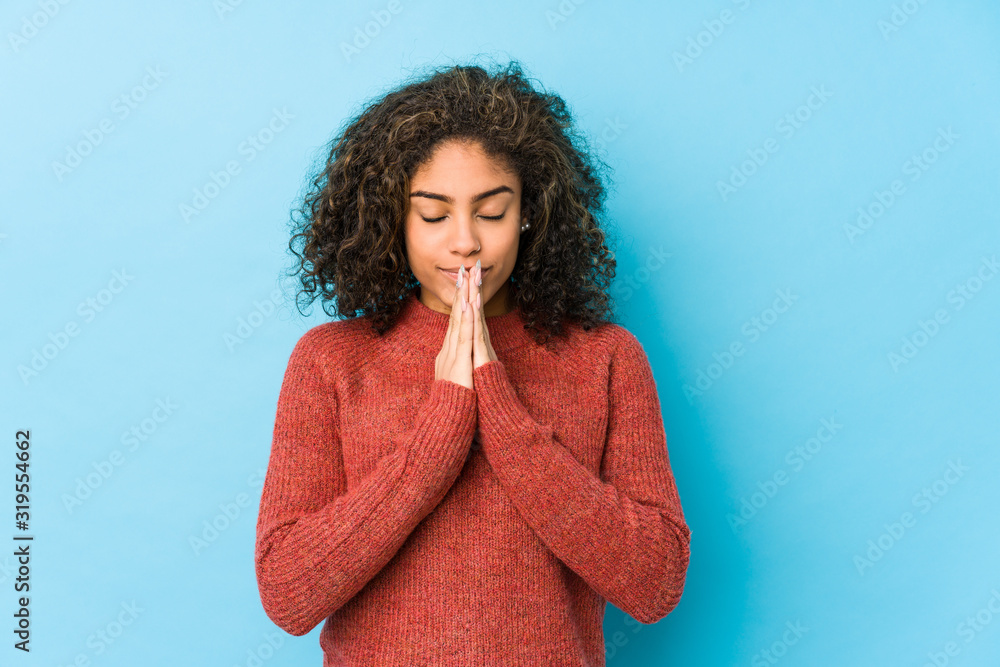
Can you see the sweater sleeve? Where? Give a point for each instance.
(318, 543)
(624, 533)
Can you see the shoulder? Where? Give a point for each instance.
(333, 344)
(607, 339)
(617, 359)
(600, 347)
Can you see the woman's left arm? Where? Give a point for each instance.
(623, 533)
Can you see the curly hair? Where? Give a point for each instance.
(348, 231)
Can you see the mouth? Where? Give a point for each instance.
(453, 275)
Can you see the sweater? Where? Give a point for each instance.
(432, 524)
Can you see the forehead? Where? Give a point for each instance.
(462, 166)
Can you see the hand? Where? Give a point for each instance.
(454, 361)
(482, 350)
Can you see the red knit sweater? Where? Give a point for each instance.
(431, 524)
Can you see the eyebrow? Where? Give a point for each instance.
(446, 198)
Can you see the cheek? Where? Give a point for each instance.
(511, 255)
(418, 253)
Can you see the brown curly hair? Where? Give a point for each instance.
(348, 232)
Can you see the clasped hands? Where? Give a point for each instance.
(466, 343)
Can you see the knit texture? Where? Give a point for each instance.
(432, 524)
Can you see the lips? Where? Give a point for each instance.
(453, 275)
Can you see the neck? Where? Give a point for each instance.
(498, 304)
(427, 327)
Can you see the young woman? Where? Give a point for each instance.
(472, 462)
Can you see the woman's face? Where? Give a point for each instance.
(463, 206)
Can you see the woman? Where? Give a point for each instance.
(472, 463)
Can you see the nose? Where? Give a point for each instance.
(462, 237)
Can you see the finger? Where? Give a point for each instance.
(484, 330)
(456, 312)
(486, 337)
(477, 283)
(479, 349)
(476, 330)
(453, 318)
(467, 319)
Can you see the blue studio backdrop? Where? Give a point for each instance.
(804, 207)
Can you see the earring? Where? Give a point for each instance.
(526, 225)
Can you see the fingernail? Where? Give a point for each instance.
(479, 274)
(461, 274)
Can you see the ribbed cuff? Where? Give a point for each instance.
(444, 428)
(500, 410)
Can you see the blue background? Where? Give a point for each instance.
(679, 99)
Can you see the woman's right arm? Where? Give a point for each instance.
(318, 543)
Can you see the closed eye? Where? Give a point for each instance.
(484, 217)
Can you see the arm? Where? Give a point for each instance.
(625, 533)
(318, 543)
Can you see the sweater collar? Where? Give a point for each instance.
(427, 327)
